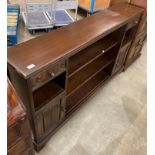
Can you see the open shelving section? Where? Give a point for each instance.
(90, 53)
(87, 72)
(90, 67)
(85, 90)
(50, 91)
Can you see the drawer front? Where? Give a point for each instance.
(17, 131)
(136, 47)
(13, 134)
(20, 147)
(47, 74)
(49, 117)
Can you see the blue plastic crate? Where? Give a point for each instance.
(13, 12)
(13, 8)
(61, 17)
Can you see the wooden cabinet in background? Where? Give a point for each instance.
(19, 139)
(141, 34)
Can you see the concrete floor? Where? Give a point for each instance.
(112, 122)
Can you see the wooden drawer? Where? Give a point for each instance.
(47, 74)
(134, 22)
(16, 131)
(13, 134)
(50, 116)
(20, 147)
(141, 39)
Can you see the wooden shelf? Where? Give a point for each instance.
(46, 93)
(78, 79)
(90, 53)
(85, 90)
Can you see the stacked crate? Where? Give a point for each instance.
(13, 12)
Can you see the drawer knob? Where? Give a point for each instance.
(52, 74)
(103, 51)
(136, 22)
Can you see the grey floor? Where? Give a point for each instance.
(112, 122)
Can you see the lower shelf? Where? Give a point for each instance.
(85, 90)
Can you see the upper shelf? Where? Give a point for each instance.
(90, 53)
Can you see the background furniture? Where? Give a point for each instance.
(13, 12)
(140, 37)
(91, 6)
(18, 130)
(54, 75)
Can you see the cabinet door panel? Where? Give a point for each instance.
(39, 126)
(136, 47)
(48, 119)
(121, 58)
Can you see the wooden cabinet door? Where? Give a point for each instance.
(121, 58)
(136, 48)
(49, 118)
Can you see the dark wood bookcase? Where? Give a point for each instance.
(69, 64)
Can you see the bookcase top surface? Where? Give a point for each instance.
(35, 54)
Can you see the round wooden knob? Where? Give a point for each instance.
(51, 73)
(136, 22)
(103, 51)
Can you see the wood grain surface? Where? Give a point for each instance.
(65, 41)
